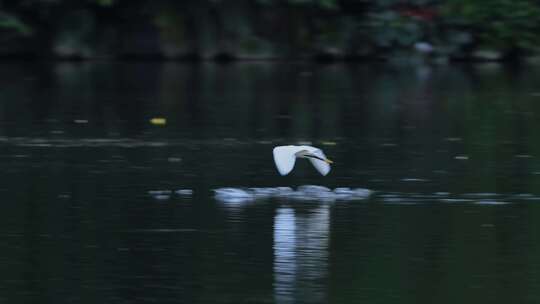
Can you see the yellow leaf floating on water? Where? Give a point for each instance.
(158, 121)
(328, 143)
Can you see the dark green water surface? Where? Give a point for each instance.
(452, 154)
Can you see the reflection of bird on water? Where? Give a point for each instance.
(285, 157)
(301, 255)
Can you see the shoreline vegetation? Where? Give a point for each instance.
(271, 30)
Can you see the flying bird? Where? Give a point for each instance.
(285, 157)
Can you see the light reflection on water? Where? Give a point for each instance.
(285, 268)
(301, 255)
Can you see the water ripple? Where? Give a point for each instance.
(80, 142)
(491, 202)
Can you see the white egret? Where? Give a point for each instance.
(285, 157)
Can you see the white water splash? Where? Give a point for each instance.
(303, 193)
(184, 192)
(166, 194)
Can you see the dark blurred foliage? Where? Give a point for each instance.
(263, 29)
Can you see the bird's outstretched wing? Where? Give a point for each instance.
(321, 166)
(284, 157)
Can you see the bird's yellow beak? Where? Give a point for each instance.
(328, 161)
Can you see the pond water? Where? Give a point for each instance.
(99, 205)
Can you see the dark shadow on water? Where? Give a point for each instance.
(450, 151)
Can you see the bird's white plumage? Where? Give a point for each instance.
(285, 158)
(321, 166)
